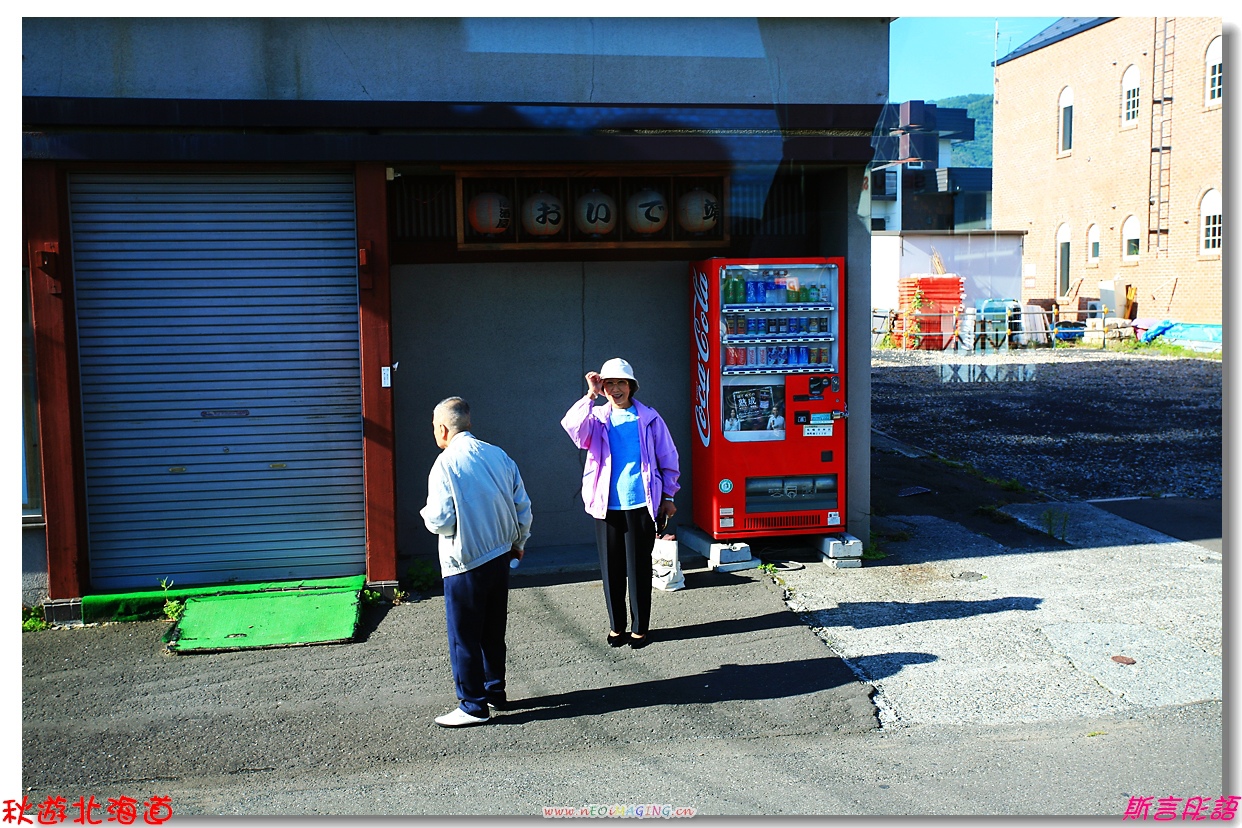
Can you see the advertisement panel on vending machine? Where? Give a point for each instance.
(768, 397)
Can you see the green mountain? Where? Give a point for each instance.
(976, 153)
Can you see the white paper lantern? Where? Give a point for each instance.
(698, 211)
(543, 215)
(489, 213)
(596, 213)
(646, 212)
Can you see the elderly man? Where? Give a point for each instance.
(477, 504)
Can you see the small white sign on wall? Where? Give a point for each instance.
(1028, 269)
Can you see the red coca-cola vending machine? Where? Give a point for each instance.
(768, 443)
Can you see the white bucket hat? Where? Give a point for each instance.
(617, 368)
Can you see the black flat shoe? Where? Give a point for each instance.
(637, 643)
(618, 640)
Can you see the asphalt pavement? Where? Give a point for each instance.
(1196, 520)
(956, 675)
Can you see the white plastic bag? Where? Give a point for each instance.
(666, 571)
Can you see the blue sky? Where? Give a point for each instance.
(938, 57)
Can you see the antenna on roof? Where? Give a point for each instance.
(995, 56)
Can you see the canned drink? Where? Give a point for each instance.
(782, 325)
(750, 292)
(823, 324)
(752, 356)
(750, 327)
(794, 325)
(761, 356)
(805, 323)
(804, 355)
(771, 323)
(814, 324)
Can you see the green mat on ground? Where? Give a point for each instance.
(148, 605)
(266, 619)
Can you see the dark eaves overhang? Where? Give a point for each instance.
(1065, 27)
(223, 131)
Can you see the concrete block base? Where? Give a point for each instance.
(753, 563)
(386, 588)
(727, 557)
(844, 563)
(63, 610)
(836, 547)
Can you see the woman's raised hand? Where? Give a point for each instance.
(595, 384)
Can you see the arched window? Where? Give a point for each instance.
(1063, 259)
(1210, 224)
(1093, 244)
(1065, 123)
(1130, 97)
(1215, 73)
(1130, 239)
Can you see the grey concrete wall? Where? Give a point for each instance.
(858, 360)
(34, 565)
(552, 60)
(516, 340)
(846, 226)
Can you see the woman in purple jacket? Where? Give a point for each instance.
(628, 484)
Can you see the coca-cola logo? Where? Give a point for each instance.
(702, 381)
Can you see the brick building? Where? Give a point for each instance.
(1116, 177)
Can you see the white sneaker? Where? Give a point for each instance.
(459, 718)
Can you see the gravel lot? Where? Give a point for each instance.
(1072, 423)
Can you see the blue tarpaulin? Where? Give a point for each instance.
(1198, 337)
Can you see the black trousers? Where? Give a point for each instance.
(625, 540)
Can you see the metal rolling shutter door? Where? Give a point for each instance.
(219, 351)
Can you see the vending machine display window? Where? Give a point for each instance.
(753, 409)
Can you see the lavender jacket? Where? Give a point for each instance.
(588, 426)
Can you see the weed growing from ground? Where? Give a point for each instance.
(33, 619)
(1055, 523)
(173, 608)
(423, 576)
(993, 512)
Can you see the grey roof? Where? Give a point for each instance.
(1063, 28)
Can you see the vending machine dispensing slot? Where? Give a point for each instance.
(768, 396)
